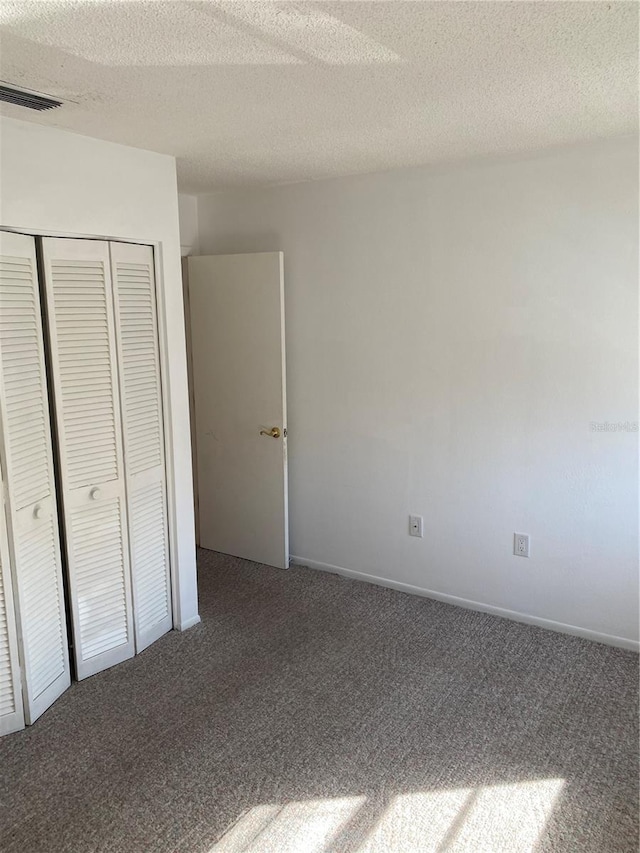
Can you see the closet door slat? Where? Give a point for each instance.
(33, 538)
(141, 397)
(84, 366)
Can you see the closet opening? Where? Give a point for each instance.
(85, 573)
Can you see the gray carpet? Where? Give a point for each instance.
(313, 714)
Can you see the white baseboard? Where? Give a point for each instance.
(188, 623)
(515, 615)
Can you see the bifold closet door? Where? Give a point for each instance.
(85, 377)
(30, 495)
(11, 712)
(141, 396)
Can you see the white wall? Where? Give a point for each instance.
(451, 336)
(188, 214)
(64, 184)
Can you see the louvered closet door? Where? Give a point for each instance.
(141, 396)
(11, 713)
(33, 536)
(83, 358)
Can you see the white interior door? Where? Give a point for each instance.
(141, 398)
(25, 447)
(11, 708)
(238, 361)
(85, 378)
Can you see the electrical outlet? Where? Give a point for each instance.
(521, 544)
(415, 525)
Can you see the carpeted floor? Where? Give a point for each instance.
(313, 714)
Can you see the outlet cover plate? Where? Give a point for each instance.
(521, 544)
(416, 526)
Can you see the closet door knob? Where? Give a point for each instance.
(37, 511)
(94, 494)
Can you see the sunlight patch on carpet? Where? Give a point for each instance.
(292, 828)
(457, 820)
(466, 820)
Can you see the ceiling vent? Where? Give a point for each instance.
(30, 100)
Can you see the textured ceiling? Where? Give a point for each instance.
(259, 92)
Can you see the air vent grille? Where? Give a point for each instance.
(30, 100)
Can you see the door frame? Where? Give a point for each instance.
(163, 343)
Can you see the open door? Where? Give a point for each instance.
(238, 361)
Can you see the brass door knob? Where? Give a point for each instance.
(274, 432)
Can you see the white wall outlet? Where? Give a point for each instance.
(415, 525)
(521, 544)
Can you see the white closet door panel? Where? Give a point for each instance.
(141, 394)
(96, 539)
(41, 608)
(11, 709)
(84, 367)
(26, 448)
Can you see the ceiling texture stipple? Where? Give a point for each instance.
(254, 93)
